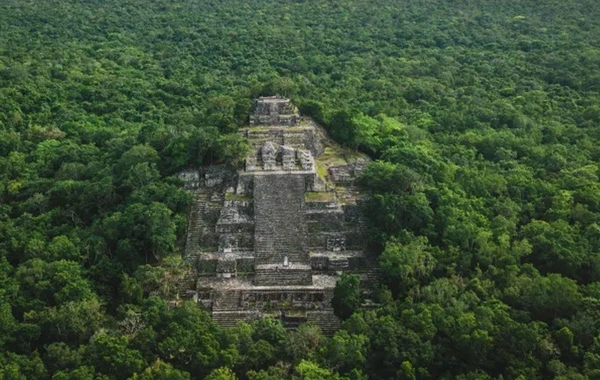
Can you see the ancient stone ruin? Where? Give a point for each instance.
(271, 239)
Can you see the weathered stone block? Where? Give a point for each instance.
(274, 111)
(245, 266)
(319, 263)
(275, 275)
(207, 267)
(336, 243)
(226, 267)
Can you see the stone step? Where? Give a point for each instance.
(283, 276)
(205, 204)
(292, 323)
(326, 320)
(231, 318)
(227, 300)
(279, 224)
(373, 275)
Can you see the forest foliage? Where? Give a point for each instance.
(483, 120)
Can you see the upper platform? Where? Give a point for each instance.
(274, 111)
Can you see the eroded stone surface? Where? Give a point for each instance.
(271, 239)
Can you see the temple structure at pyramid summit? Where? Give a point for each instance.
(271, 238)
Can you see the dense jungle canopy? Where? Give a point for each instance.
(483, 119)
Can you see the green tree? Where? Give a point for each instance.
(270, 330)
(189, 338)
(161, 371)
(346, 295)
(406, 265)
(305, 342)
(347, 351)
(111, 356)
(222, 373)
(81, 373)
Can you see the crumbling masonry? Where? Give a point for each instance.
(271, 239)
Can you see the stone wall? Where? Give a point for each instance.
(245, 266)
(279, 275)
(272, 105)
(274, 111)
(277, 300)
(201, 220)
(207, 267)
(303, 137)
(280, 120)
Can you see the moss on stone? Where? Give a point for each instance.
(236, 197)
(319, 196)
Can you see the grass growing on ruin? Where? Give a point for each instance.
(337, 156)
(321, 169)
(330, 157)
(236, 197)
(333, 156)
(319, 197)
